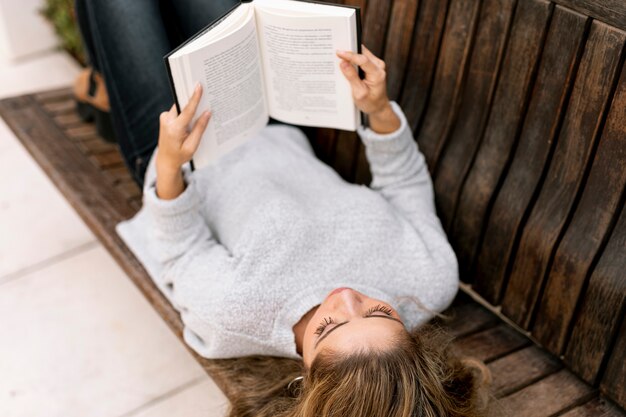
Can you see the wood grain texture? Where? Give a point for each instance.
(490, 344)
(363, 174)
(345, 158)
(398, 44)
(323, 143)
(449, 76)
(376, 24)
(598, 318)
(483, 69)
(597, 407)
(612, 12)
(614, 381)
(468, 318)
(549, 396)
(561, 53)
(422, 59)
(597, 211)
(584, 116)
(522, 54)
(521, 369)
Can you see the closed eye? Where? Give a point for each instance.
(346, 322)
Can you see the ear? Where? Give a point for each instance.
(479, 369)
(483, 381)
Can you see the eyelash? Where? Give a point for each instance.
(372, 310)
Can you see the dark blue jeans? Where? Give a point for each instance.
(126, 41)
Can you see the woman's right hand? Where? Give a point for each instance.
(177, 143)
(370, 94)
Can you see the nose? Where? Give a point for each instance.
(349, 302)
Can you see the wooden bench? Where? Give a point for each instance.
(520, 109)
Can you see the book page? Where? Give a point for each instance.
(232, 79)
(304, 83)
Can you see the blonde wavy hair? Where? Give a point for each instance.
(418, 376)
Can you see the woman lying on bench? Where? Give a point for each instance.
(269, 252)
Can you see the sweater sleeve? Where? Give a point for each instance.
(399, 171)
(400, 175)
(183, 245)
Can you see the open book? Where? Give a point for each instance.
(268, 58)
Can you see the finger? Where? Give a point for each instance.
(193, 139)
(359, 89)
(361, 60)
(190, 109)
(379, 62)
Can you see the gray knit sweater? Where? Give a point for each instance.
(262, 236)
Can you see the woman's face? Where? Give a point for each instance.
(348, 320)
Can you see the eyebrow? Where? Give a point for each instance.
(346, 322)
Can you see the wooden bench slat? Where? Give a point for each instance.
(605, 298)
(594, 408)
(129, 189)
(549, 216)
(82, 132)
(60, 107)
(588, 231)
(527, 34)
(548, 397)
(449, 75)
(612, 12)
(558, 66)
(323, 143)
(422, 59)
(491, 344)
(375, 25)
(107, 159)
(344, 159)
(614, 381)
(398, 45)
(51, 96)
(68, 120)
(521, 369)
(467, 318)
(483, 69)
(96, 146)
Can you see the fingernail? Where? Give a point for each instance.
(341, 52)
(198, 86)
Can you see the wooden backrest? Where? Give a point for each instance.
(520, 109)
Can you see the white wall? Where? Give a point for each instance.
(23, 31)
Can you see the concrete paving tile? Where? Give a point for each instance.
(36, 222)
(46, 71)
(78, 339)
(203, 399)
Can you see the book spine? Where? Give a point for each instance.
(198, 34)
(168, 69)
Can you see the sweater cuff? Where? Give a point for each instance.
(172, 216)
(387, 142)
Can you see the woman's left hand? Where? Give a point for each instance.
(370, 93)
